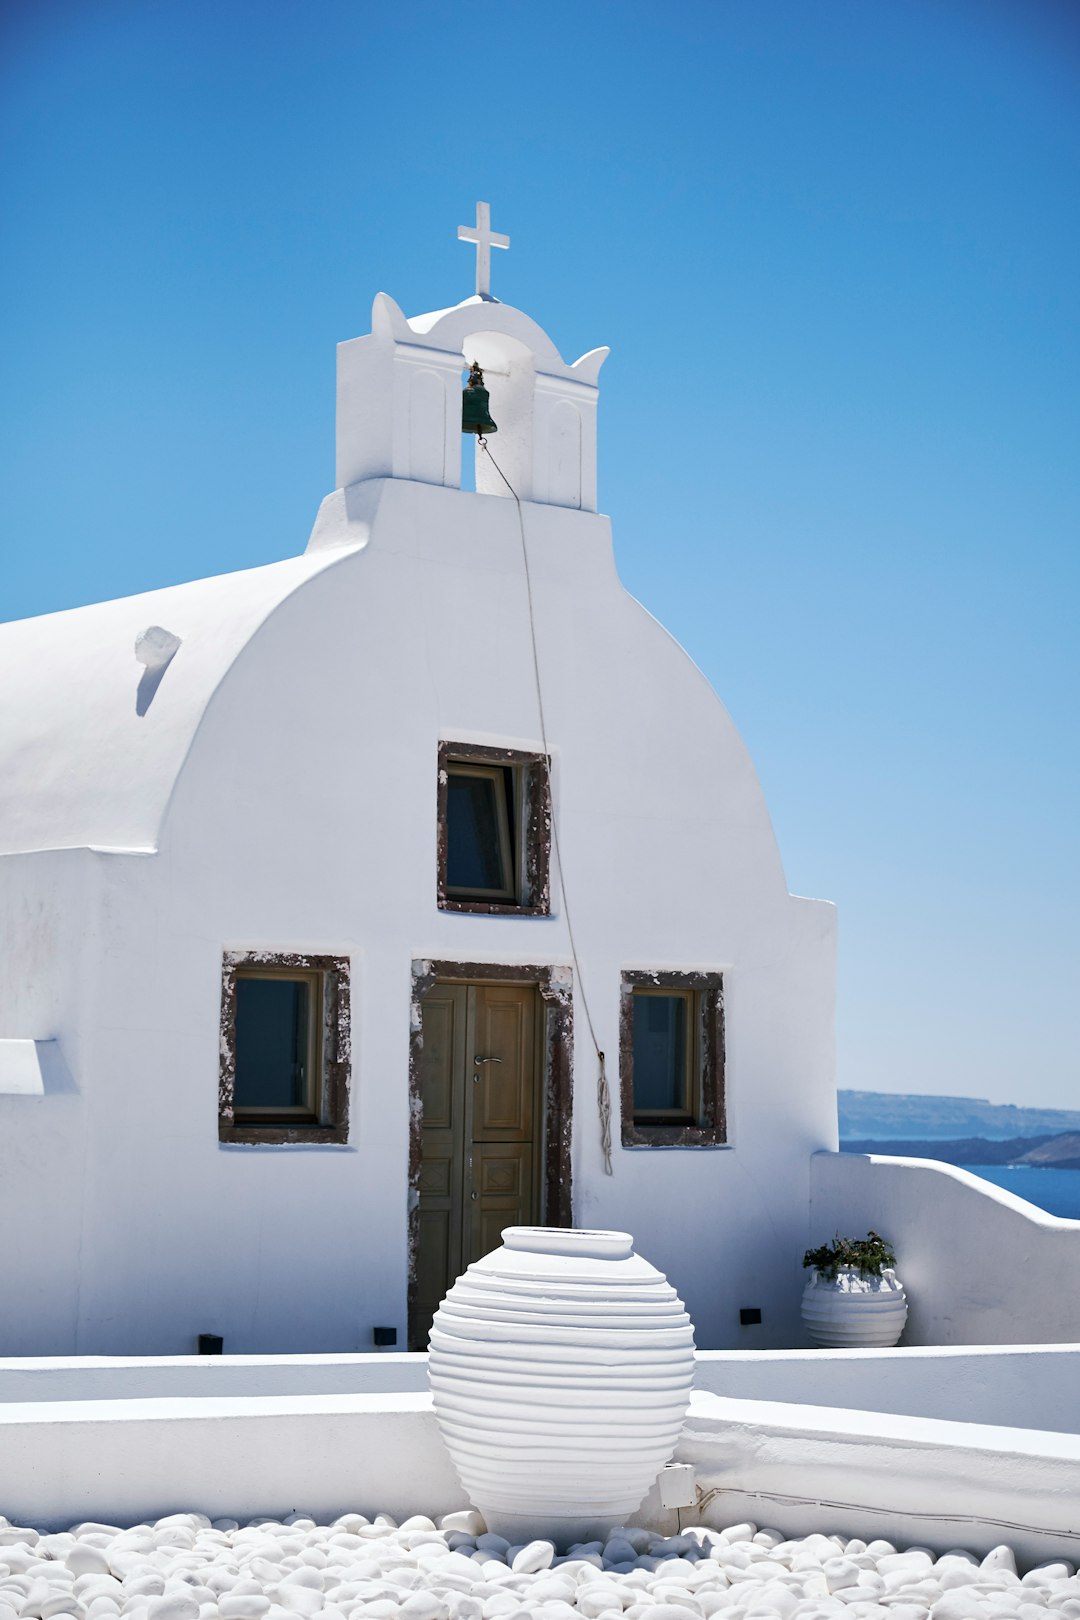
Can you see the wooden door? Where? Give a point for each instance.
(479, 1165)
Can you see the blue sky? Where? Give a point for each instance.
(835, 248)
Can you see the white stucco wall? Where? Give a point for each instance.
(257, 1439)
(52, 1379)
(125, 1461)
(280, 789)
(1015, 1386)
(303, 819)
(980, 1266)
(914, 1481)
(1019, 1386)
(46, 993)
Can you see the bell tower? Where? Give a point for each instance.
(399, 397)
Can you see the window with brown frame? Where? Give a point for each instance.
(284, 1048)
(671, 1060)
(494, 830)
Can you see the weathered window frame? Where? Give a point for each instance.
(329, 1121)
(708, 1128)
(530, 834)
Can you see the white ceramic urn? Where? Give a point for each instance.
(561, 1367)
(854, 1311)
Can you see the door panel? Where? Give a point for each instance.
(505, 1032)
(442, 1149)
(441, 1018)
(481, 1130)
(503, 1184)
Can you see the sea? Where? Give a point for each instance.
(1056, 1191)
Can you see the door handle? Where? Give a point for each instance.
(479, 1060)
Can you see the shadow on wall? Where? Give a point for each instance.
(149, 681)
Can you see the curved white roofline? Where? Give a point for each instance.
(94, 734)
(91, 739)
(448, 329)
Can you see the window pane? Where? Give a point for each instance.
(271, 1043)
(474, 853)
(660, 1051)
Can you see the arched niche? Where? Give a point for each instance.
(427, 427)
(509, 376)
(564, 454)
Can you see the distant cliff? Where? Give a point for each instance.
(880, 1117)
(1060, 1153)
(1046, 1152)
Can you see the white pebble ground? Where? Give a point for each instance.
(186, 1567)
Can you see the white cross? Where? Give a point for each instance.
(485, 239)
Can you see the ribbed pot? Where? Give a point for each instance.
(854, 1311)
(561, 1367)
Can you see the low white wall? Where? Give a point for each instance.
(123, 1461)
(913, 1481)
(1023, 1386)
(980, 1266)
(117, 1378)
(798, 1468)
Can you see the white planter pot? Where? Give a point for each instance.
(854, 1311)
(561, 1367)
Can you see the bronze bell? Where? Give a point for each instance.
(475, 405)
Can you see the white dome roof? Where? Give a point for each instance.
(92, 735)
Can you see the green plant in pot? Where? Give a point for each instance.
(854, 1298)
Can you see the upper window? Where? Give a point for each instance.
(284, 1048)
(671, 1060)
(479, 842)
(494, 809)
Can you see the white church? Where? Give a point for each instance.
(325, 883)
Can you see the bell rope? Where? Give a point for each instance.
(603, 1091)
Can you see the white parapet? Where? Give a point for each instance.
(263, 1435)
(1023, 1386)
(911, 1481)
(980, 1265)
(122, 1461)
